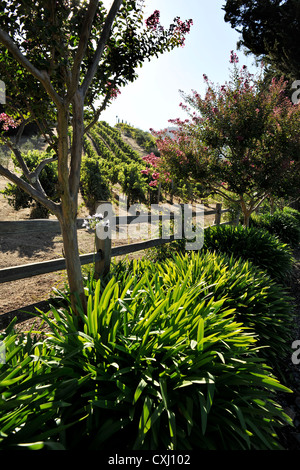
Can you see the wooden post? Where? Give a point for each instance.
(218, 214)
(103, 241)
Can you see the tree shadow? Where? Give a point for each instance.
(29, 245)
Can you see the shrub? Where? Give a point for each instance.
(256, 245)
(155, 366)
(292, 212)
(133, 183)
(283, 224)
(260, 303)
(93, 185)
(18, 199)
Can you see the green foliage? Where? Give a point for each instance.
(160, 363)
(241, 138)
(133, 184)
(260, 302)
(256, 245)
(284, 224)
(122, 164)
(49, 38)
(18, 199)
(93, 184)
(268, 29)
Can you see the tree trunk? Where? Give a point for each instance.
(73, 265)
(246, 212)
(68, 186)
(246, 219)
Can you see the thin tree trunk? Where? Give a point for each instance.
(68, 217)
(246, 219)
(246, 212)
(73, 265)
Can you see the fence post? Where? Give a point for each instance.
(103, 243)
(218, 214)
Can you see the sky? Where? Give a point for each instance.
(154, 98)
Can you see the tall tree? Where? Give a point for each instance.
(62, 61)
(269, 29)
(242, 141)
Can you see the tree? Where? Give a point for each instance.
(242, 141)
(63, 61)
(269, 29)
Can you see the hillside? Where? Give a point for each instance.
(21, 249)
(116, 165)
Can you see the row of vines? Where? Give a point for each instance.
(108, 164)
(108, 161)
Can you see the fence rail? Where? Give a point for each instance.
(104, 251)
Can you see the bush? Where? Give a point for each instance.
(160, 363)
(256, 245)
(93, 185)
(293, 213)
(260, 303)
(283, 224)
(19, 199)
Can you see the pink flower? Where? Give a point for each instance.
(233, 58)
(153, 20)
(8, 122)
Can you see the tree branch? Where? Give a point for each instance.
(84, 38)
(260, 201)
(19, 157)
(41, 76)
(34, 193)
(97, 114)
(101, 44)
(223, 194)
(32, 177)
(35, 174)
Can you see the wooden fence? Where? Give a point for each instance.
(104, 251)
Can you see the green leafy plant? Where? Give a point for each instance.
(256, 245)
(284, 224)
(93, 185)
(260, 303)
(160, 363)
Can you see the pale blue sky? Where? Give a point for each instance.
(154, 97)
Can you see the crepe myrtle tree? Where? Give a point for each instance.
(241, 141)
(63, 62)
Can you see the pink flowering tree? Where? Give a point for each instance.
(241, 141)
(62, 64)
(157, 176)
